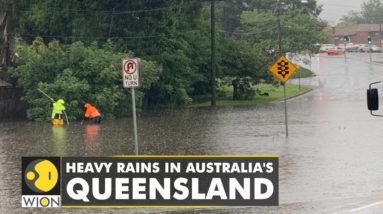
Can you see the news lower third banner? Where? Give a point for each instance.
(150, 181)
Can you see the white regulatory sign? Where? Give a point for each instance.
(131, 73)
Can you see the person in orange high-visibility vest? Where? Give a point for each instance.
(92, 115)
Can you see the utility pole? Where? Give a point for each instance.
(281, 54)
(279, 29)
(111, 23)
(380, 34)
(213, 63)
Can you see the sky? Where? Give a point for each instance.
(333, 10)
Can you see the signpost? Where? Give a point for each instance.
(131, 79)
(369, 41)
(345, 39)
(299, 77)
(283, 69)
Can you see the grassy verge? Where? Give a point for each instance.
(304, 73)
(275, 93)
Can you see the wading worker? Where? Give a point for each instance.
(92, 115)
(57, 112)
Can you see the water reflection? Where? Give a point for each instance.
(59, 140)
(92, 145)
(333, 139)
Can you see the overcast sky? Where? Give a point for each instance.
(333, 10)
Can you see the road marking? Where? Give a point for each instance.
(367, 206)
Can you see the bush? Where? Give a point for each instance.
(77, 74)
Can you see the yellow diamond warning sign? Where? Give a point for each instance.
(283, 69)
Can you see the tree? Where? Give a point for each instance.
(300, 32)
(231, 13)
(372, 12)
(232, 9)
(352, 17)
(7, 22)
(241, 65)
(175, 34)
(78, 74)
(157, 30)
(310, 7)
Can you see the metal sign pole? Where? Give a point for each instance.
(299, 80)
(131, 79)
(369, 54)
(283, 69)
(311, 63)
(344, 46)
(286, 124)
(134, 122)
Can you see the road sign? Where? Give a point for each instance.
(283, 69)
(131, 73)
(131, 79)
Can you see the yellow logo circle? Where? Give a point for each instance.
(41, 175)
(44, 202)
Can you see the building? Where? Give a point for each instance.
(358, 34)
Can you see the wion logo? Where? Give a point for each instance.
(40, 182)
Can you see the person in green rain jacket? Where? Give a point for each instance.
(58, 108)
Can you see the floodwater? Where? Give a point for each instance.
(332, 161)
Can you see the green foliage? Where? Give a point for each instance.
(274, 93)
(372, 12)
(232, 10)
(77, 74)
(310, 7)
(345, 24)
(173, 36)
(303, 73)
(241, 65)
(299, 31)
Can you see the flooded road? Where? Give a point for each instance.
(332, 161)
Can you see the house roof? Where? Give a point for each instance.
(357, 28)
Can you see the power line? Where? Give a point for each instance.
(115, 12)
(148, 10)
(106, 37)
(237, 33)
(340, 5)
